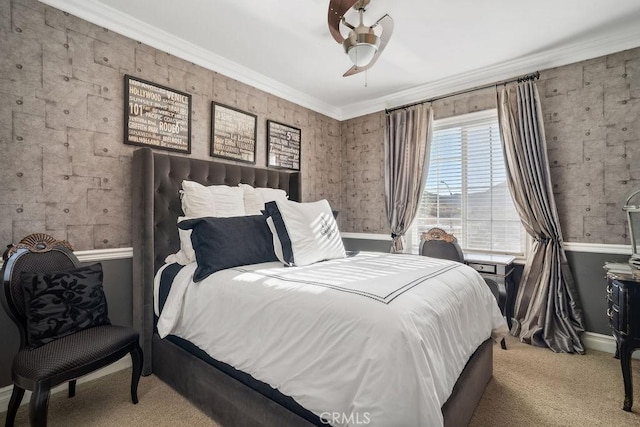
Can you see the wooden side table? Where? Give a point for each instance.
(498, 268)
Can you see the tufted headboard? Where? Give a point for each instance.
(156, 180)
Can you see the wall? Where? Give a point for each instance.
(592, 125)
(64, 167)
(65, 170)
(591, 111)
(363, 161)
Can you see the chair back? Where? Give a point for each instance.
(437, 243)
(36, 253)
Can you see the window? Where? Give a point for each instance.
(466, 191)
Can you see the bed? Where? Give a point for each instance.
(230, 396)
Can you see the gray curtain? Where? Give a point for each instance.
(407, 139)
(547, 310)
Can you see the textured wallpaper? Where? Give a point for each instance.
(592, 125)
(64, 168)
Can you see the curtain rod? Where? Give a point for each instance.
(524, 78)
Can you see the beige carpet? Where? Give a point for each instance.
(530, 387)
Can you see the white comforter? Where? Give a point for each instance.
(375, 339)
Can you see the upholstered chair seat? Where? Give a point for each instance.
(55, 359)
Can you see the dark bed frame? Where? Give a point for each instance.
(156, 180)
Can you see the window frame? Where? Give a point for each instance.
(463, 120)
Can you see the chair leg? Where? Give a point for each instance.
(39, 405)
(136, 359)
(72, 388)
(14, 404)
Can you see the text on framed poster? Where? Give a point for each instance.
(233, 133)
(156, 116)
(283, 148)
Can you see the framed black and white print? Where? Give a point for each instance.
(283, 146)
(156, 116)
(233, 133)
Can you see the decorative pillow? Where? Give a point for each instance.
(308, 232)
(271, 194)
(185, 255)
(215, 200)
(221, 243)
(61, 303)
(253, 203)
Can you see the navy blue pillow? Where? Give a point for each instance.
(271, 210)
(61, 303)
(221, 243)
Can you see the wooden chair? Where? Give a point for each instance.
(41, 367)
(437, 243)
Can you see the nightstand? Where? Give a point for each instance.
(623, 298)
(498, 268)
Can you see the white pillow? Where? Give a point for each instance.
(253, 204)
(271, 194)
(186, 255)
(308, 232)
(216, 200)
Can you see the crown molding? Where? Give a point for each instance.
(622, 38)
(108, 17)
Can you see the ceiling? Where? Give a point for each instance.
(438, 46)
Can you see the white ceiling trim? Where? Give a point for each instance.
(114, 20)
(104, 16)
(621, 40)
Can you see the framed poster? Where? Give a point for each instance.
(156, 116)
(233, 133)
(283, 146)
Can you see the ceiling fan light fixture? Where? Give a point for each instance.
(361, 47)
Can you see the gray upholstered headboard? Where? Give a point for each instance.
(156, 180)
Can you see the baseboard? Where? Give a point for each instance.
(124, 363)
(605, 343)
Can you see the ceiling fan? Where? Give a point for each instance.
(362, 45)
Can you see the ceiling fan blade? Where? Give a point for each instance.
(337, 9)
(387, 29)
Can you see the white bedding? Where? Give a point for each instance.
(374, 339)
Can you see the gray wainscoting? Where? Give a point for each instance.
(117, 288)
(353, 244)
(589, 275)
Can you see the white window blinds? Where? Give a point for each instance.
(466, 191)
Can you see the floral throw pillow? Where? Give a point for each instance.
(63, 302)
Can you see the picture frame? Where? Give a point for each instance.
(156, 116)
(283, 146)
(233, 133)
